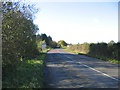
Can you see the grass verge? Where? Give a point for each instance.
(97, 57)
(28, 75)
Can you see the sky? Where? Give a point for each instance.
(78, 22)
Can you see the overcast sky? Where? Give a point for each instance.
(78, 22)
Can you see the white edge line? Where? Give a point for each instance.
(98, 71)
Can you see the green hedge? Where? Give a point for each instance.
(110, 50)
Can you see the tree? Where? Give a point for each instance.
(62, 43)
(111, 43)
(47, 39)
(18, 35)
(53, 44)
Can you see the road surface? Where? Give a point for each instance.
(67, 70)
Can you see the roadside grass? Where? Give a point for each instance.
(97, 57)
(28, 75)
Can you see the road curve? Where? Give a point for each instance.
(66, 70)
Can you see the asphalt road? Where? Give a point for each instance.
(67, 70)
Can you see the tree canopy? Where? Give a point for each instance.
(62, 43)
(18, 34)
(47, 39)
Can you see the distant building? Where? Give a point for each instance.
(43, 46)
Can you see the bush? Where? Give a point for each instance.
(18, 36)
(102, 49)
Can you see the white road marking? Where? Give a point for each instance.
(100, 72)
(97, 70)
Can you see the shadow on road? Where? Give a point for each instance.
(63, 70)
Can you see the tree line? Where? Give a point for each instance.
(43, 38)
(19, 39)
(107, 50)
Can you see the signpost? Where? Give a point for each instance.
(43, 46)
